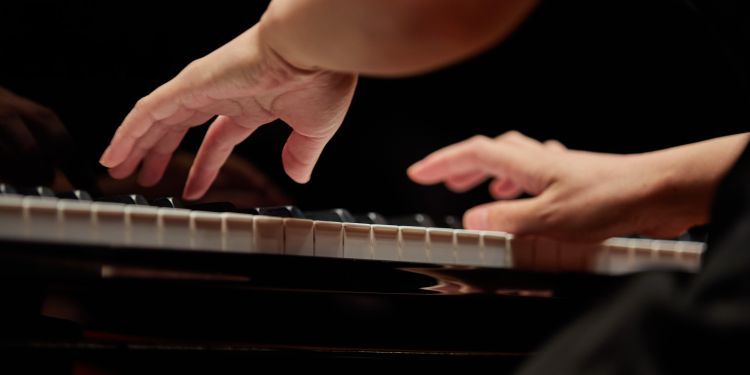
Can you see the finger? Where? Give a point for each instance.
(162, 141)
(127, 167)
(157, 160)
(223, 134)
(465, 182)
(504, 188)
(168, 104)
(554, 145)
(526, 166)
(140, 149)
(158, 137)
(521, 216)
(300, 154)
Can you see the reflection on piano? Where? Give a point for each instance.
(129, 278)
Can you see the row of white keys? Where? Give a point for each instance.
(12, 224)
(623, 255)
(614, 256)
(118, 224)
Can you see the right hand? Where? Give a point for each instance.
(583, 196)
(246, 84)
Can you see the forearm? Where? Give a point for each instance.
(692, 173)
(386, 37)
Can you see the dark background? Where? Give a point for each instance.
(614, 76)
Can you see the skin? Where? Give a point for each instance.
(583, 196)
(300, 64)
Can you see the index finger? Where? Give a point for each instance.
(160, 105)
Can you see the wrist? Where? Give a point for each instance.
(685, 178)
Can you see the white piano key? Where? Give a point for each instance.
(618, 258)
(414, 247)
(329, 239)
(268, 233)
(546, 254)
(299, 237)
(664, 251)
(385, 244)
(580, 257)
(206, 230)
(237, 232)
(522, 249)
(357, 241)
(497, 249)
(142, 225)
(689, 254)
(469, 248)
(174, 228)
(11, 217)
(442, 245)
(109, 223)
(41, 222)
(76, 220)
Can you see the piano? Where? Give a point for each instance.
(125, 284)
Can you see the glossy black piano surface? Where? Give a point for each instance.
(93, 302)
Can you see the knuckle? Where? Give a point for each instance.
(45, 115)
(142, 103)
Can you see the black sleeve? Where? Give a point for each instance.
(666, 323)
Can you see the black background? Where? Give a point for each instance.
(614, 76)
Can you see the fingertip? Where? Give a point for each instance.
(117, 173)
(477, 218)
(106, 159)
(189, 193)
(421, 172)
(301, 177)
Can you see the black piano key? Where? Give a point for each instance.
(79, 195)
(280, 211)
(249, 211)
(449, 221)
(337, 214)
(126, 199)
(38, 191)
(415, 220)
(171, 202)
(7, 189)
(213, 207)
(371, 218)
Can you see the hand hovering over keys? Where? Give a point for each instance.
(582, 196)
(299, 64)
(245, 83)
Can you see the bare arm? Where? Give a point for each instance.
(387, 37)
(298, 64)
(582, 196)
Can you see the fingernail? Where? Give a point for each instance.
(477, 218)
(414, 168)
(106, 156)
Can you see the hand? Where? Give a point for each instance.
(238, 182)
(36, 148)
(582, 196)
(246, 84)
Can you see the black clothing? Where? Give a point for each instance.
(672, 323)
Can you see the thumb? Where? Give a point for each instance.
(520, 216)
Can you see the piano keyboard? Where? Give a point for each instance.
(50, 219)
